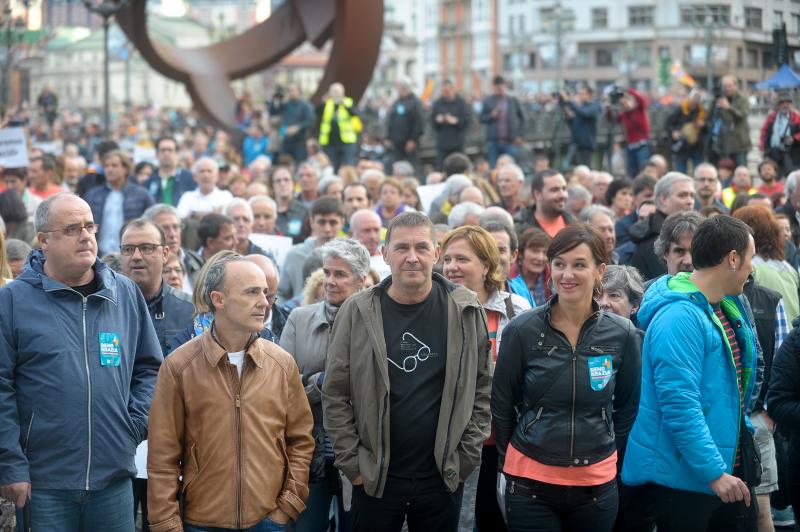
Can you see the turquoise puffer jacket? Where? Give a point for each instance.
(687, 428)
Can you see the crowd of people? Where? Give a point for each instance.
(605, 350)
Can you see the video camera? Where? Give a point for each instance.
(615, 94)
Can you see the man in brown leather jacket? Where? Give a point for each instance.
(230, 415)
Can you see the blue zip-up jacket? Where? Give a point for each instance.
(687, 428)
(68, 421)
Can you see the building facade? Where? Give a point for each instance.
(637, 42)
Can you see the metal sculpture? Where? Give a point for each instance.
(355, 27)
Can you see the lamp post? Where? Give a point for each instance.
(106, 9)
(14, 32)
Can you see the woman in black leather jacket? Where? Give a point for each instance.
(564, 397)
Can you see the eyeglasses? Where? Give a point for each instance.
(74, 230)
(170, 271)
(145, 249)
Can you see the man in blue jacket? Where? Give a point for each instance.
(78, 363)
(582, 115)
(698, 374)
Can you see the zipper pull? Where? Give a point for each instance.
(238, 401)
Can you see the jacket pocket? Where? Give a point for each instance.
(529, 425)
(191, 470)
(607, 421)
(282, 449)
(28, 431)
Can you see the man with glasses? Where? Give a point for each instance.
(78, 367)
(143, 253)
(166, 217)
(707, 188)
(291, 213)
(168, 182)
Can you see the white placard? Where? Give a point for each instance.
(140, 153)
(428, 193)
(13, 148)
(53, 147)
(279, 246)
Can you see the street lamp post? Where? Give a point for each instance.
(106, 9)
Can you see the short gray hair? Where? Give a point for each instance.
(351, 251)
(664, 185)
(264, 199)
(578, 192)
(589, 212)
(239, 202)
(791, 183)
(205, 158)
(370, 172)
(455, 184)
(16, 249)
(705, 166)
(154, 211)
(325, 182)
(41, 218)
(214, 280)
(459, 213)
(513, 168)
(496, 214)
(403, 169)
(626, 279)
(674, 228)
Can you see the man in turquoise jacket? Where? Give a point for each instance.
(698, 373)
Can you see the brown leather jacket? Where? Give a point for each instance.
(243, 449)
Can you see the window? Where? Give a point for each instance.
(599, 17)
(511, 25)
(699, 15)
(640, 16)
(604, 57)
(777, 18)
(739, 57)
(751, 61)
(752, 18)
(582, 58)
(795, 23)
(641, 55)
(531, 59)
(508, 62)
(521, 21)
(766, 59)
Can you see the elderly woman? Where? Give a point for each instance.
(345, 266)
(471, 259)
(623, 289)
(390, 197)
(602, 220)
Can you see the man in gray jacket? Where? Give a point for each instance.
(78, 364)
(408, 371)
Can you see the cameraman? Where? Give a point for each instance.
(685, 126)
(582, 113)
(631, 112)
(780, 135)
(730, 133)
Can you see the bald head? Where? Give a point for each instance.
(365, 226)
(473, 194)
(266, 266)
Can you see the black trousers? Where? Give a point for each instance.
(425, 502)
(140, 500)
(488, 517)
(533, 506)
(689, 511)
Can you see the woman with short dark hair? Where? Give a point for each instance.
(564, 397)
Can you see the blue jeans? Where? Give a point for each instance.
(108, 509)
(496, 149)
(340, 155)
(266, 525)
(682, 160)
(316, 516)
(637, 157)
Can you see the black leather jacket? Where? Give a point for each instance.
(563, 406)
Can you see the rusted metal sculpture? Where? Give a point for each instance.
(355, 27)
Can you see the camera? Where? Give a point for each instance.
(615, 94)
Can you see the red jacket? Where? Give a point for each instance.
(636, 122)
(766, 129)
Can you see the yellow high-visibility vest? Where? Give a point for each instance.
(344, 120)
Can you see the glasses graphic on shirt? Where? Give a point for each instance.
(410, 363)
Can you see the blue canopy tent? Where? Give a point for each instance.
(784, 78)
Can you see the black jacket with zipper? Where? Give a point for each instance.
(543, 400)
